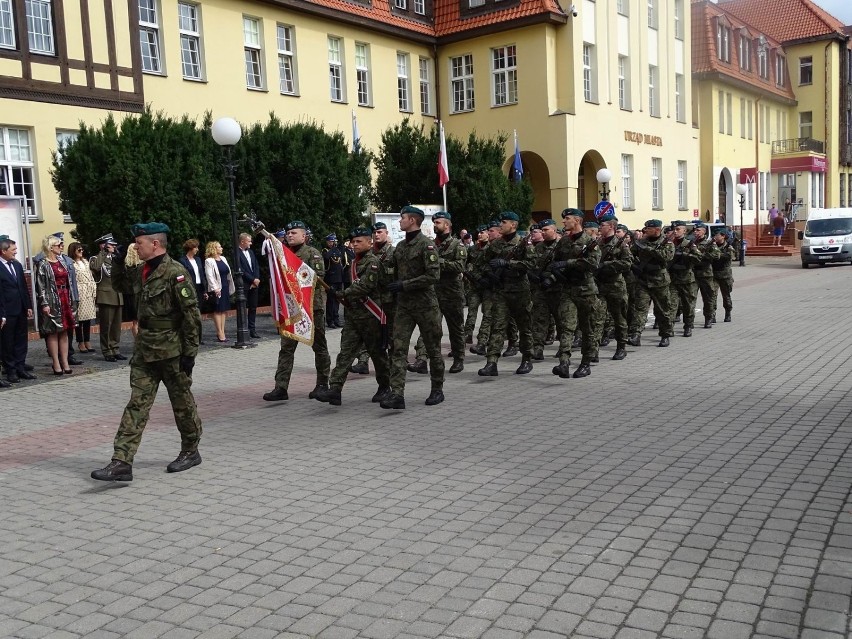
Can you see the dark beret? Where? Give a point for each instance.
(547, 222)
(295, 224)
(412, 210)
(622, 227)
(591, 225)
(151, 228)
(441, 215)
(509, 215)
(608, 217)
(481, 227)
(654, 224)
(380, 225)
(494, 224)
(574, 212)
(361, 231)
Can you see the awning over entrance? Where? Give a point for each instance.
(805, 163)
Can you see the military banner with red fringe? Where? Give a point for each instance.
(291, 287)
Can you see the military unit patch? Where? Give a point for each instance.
(184, 291)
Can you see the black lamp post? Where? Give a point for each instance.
(741, 191)
(226, 133)
(604, 176)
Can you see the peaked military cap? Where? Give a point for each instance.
(509, 215)
(442, 215)
(151, 228)
(106, 239)
(379, 226)
(281, 234)
(412, 210)
(591, 225)
(296, 224)
(654, 224)
(59, 234)
(547, 222)
(361, 231)
(331, 237)
(608, 217)
(574, 212)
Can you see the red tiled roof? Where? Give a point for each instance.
(705, 58)
(785, 20)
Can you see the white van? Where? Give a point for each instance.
(827, 237)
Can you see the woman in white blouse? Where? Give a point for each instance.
(220, 286)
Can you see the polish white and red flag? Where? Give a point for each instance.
(443, 169)
(291, 287)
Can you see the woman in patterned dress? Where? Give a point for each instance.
(87, 290)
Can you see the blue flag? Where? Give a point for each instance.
(517, 166)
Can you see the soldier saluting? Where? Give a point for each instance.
(653, 254)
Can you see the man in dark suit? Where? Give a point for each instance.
(251, 280)
(18, 309)
(3, 382)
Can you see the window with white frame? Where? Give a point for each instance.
(401, 4)
(149, 36)
(681, 185)
(652, 14)
(656, 186)
(806, 124)
(623, 7)
(806, 69)
(742, 118)
(750, 110)
(403, 82)
(420, 7)
(425, 69)
(362, 73)
(589, 75)
(40, 26)
(288, 80)
(678, 19)
(780, 70)
(723, 42)
(7, 25)
(626, 182)
(721, 111)
(253, 48)
(336, 86)
(461, 83)
(475, 3)
(745, 52)
(729, 102)
(189, 27)
(762, 62)
(680, 98)
(504, 75)
(653, 90)
(624, 82)
(17, 170)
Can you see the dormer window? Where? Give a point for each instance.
(478, 7)
(723, 41)
(745, 51)
(417, 9)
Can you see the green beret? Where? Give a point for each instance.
(295, 224)
(699, 225)
(151, 228)
(654, 224)
(547, 222)
(534, 227)
(591, 225)
(608, 217)
(622, 227)
(379, 226)
(509, 215)
(493, 224)
(720, 230)
(678, 223)
(441, 215)
(481, 227)
(412, 210)
(574, 212)
(361, 231)
(3, 238)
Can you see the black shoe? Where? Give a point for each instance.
(468, 339)
(479, 349)
(582, 371)
(595, 359)
(109, 358)
(186, 460)
(458, 366)
(328, 395)
(30, 369)
(277, 395)
(510, 351)
(360, 369)
(489, 370)
(13, 378)
(114, 471)
(687, 331)
(394, 401)
(4, 384)
(708, 323)
(26, 375)
(419, 366)
(73, 361)
(620, 353)
(435, 397)
(577, 343)
(604, 341)
(562, 370)
(117, 356)
(382, 393)
(714, 318)
(635, 340)
(538, 355)
(664, 342)
(727, 316)
(254, 335)
(317, 389)
(525, 367)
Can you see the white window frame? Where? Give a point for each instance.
(742, 118)
(7, 25)
(420, 7)
(806, 62)
(336, 72)
(403, 81)
(722, 112)
(285, 37)
(189, 30)
(809, 124)
(253, 53)
(504, 75)
(624, 82)
(763, 63)
(653, 16)
(462, 95)
(150, 44)
(750, 120)
(427, 100)
(729, 104)
(401, 4)
(40, 37)
(473, 4)
(653, 91)
(17, 158)
(622, 7)
(780, 70)
(723, 42)
(656, 183)
(680, 97)
(745, 52)
(363, 80)
(627, 182)
(589, 75)
(682, 195)
(678, 19)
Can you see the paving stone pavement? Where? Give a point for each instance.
(697, 491)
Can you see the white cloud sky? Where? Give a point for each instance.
(840, 9)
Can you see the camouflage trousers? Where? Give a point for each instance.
(451, 304)
(145, 378)
(708, 296)
(545, 311)
(474, 301)
(426, 317)
(726, 285)
(361, 329)
(683, 295)
(505, 306)
(577, 312)
(662, 303)
(363, 354)
(613, 300)
(287, 354)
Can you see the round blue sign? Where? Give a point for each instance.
(602, 208)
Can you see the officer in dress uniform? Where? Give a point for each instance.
(165, 350)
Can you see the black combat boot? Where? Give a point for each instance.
(635, 340)
(727, 316)
(595, 359)
(525, 367)
(511, 350)
(468, 339)
(276, 395)
(687, 331)
(479, 349)
(419, 366)
(708, 323)
(538, 355)
(381, 394)
(578, 342)
(360, 368)
(489, 370)
(583, 370)
(620, 352)
(549, 339)
(604, 341)
(714, 318)
(317, 389)
(435, 397)
(393, 401)
(458, 365)
(186, 460)
(329, 396)
(116, 470)
(664, 342)
(562, 370)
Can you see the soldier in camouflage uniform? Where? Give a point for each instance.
(683, 288)
(286, 355)
(545, 301)
(506, 260)
(630, 274)
(482, 276)
(452, 256)
(575, 260)
(653, 254)
(704, 270)
(165, 350)
(362, 326)
(616, 259)
(416, 269)
(474, 295)
(723, 276)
